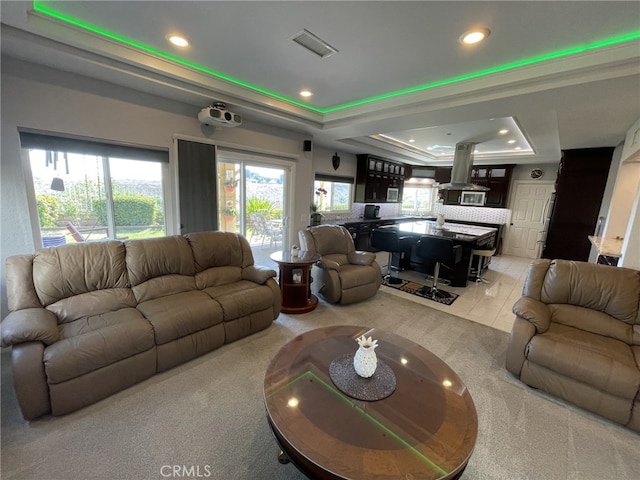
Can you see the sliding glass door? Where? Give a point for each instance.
(253, 199)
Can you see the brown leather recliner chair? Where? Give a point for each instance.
(577, 336)
(343, 275)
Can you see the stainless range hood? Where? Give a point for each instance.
(462, 168)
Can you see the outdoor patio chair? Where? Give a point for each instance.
(265, 229)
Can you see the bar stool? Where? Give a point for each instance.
(388, 240)
(441, 251)
(481, 254)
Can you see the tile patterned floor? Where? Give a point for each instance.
(488, 303)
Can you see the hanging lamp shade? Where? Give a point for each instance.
(57, 184)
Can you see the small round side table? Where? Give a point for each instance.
(295, 281)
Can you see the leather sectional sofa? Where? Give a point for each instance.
(88, 320)
(577, 336)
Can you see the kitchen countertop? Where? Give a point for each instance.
(396, 219)
(450, 229)
(611, 247)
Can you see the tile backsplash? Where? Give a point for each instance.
(450, 212)
(474, 214)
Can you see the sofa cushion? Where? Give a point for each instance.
(92, 303)
(613, 290)
(217, 249)
(163, 286)
(214, 276)
(591, 321)
(69, 270)
(93, 342)
(605, 363)
(182, 314)
(241, 298)
(155, 257)
(331, 239)
(357, 275)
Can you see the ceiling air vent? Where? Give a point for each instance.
(314, 44)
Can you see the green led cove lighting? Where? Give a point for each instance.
(38, 7)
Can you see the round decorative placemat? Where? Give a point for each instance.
(380, 385)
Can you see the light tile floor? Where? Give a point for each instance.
(486, 303)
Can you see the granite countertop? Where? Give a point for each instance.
(450, 229)
(611, 247)
(398, 218)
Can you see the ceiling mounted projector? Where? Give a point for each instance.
(217, 114)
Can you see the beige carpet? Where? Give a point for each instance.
(208, 415)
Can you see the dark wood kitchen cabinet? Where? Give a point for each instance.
(580, 184)
(443, 174)
(496, 177)
(375, 176)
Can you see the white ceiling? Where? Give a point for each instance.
(585, 99)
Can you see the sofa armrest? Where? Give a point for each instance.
(30, 325)
(30, 379)
(521, 334)
(533, 311)
(361, 258)
(258, 274)
(328, 264)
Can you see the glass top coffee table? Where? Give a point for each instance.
(426, 429)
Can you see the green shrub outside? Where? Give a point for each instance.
(264, 206)
(48, 210)
(128, 210)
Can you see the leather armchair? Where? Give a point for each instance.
(343, 274)
(577, 336)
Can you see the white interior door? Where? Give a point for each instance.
(529, 205)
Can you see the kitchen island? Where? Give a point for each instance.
(361, 229)
(468, 236)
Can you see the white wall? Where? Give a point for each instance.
(322, 163)
(607, 195)
(631, 244)
(623, 218)
(40, 98)
(622, 202)
(522, 172)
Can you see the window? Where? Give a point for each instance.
(88, 191)
(418, 199)
(332, 194)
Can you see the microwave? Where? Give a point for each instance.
(476, 199)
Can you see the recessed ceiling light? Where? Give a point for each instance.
(518, 148)
(511, 141)
(412, 140)
(474, 36)
(306, 93)
(178, 40)
(503, 131)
